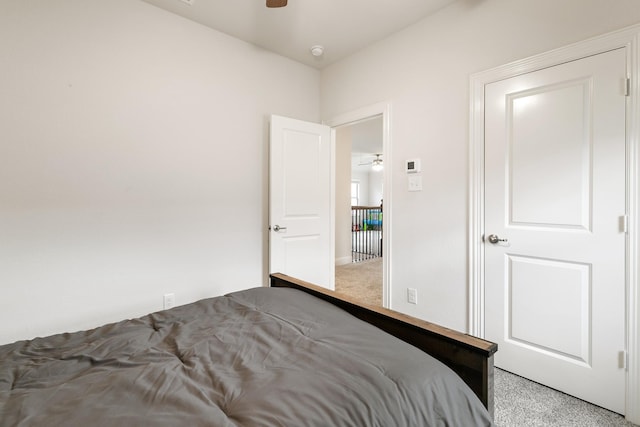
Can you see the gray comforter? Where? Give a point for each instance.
(261, 357)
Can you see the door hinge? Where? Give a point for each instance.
(624, 224)
(627, 87)
(623, 360)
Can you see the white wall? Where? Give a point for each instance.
(363, 180)
(133, 160)
(376, 181)
(424, 73)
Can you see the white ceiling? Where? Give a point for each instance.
(341, 26)
(366, 142)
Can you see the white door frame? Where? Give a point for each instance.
(628, 38)
(380, 109)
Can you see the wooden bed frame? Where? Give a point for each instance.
(470, 357)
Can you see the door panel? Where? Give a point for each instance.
(555, 192)
(557, 294)
(300, 183)
(549, 145)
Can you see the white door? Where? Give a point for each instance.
(555, 192)
(300, 201)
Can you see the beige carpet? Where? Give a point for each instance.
(361, 280)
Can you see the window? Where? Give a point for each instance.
(355, 193)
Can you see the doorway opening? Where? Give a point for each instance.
(360, 220)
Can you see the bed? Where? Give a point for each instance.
(293, 354)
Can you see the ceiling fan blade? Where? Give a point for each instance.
(276, 3)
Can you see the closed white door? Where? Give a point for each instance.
(300, 201)
(554, 224)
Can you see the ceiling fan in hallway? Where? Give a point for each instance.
(276, 3)
(376, 164)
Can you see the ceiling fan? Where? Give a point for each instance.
(276, 3)
(376, 164)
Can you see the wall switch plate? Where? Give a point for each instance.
(415, 182)
(169, 301)
(412, 296)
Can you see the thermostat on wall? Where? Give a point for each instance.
(413, 166)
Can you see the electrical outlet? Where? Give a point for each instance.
(169, 301)
(412, 296)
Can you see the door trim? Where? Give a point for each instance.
(380, 109)
(628, 38)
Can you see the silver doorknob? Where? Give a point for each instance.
(278, 228)
(495, 239)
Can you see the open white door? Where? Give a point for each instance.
(300, 201)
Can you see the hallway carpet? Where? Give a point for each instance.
(361, 281)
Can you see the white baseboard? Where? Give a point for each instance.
(343, 260)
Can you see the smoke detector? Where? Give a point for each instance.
(317, 50)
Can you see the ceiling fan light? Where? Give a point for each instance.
(377, 165)
(276, 3)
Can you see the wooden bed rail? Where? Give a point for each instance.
(470, 357)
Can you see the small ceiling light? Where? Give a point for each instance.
(377, 165)
(317, 50)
